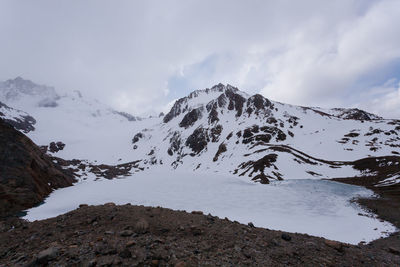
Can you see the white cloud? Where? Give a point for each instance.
(383, 100)
(130, 54)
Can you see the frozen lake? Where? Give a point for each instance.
(316, 207)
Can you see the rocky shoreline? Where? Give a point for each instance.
(127, 235)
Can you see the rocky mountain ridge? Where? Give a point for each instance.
(223, 129)
(218, 129)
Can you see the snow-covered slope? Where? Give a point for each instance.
(89, 129)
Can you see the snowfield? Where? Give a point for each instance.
(316, 207)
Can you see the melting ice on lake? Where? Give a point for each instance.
(316, 207)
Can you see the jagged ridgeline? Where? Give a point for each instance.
(223, 129)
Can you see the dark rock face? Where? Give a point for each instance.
(293, 120)
(259, 166)
(374, 131)
(23, 123)
(280, 135)
(212, 108)
(77, 167)
(256, 103)
(175, 143)
(213, 115)
(215, 133)
(265, 162)
(175, 111)
(56, 146)
(221, 149)
(198, 140)
(236, 102)
(251, 135)
(356, 114)
(191, 117)
(27, 175)
(352, 134)
(137, 137)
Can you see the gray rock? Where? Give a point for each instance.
(48, 254)
(126, 233)
(142, 226)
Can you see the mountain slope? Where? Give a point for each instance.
(21, 120)
(224, 130)
(27, 175)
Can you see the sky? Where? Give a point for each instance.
(138, 56)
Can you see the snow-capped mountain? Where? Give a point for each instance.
(215, 130)
(89, 129)
(225, 130)
(25, 93)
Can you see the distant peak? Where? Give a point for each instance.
(218, 88)
(17, 88)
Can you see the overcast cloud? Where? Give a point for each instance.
(139, 55)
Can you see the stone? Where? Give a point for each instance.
(126, 233)
(251, 224)
(196, 231)
(142, 226)
(198, 212)
(125, 254)
(286, 237)
(130, 243)
(394, 250)
(48, 254)
(92, 263)
(334, 244)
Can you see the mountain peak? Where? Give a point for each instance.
(216, 89)
(201, 97)
(19, 88)
(20, 82)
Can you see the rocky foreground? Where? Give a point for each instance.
(127, 235)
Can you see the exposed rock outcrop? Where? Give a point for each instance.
(17, 118)
(198, 140)
(27, 175)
